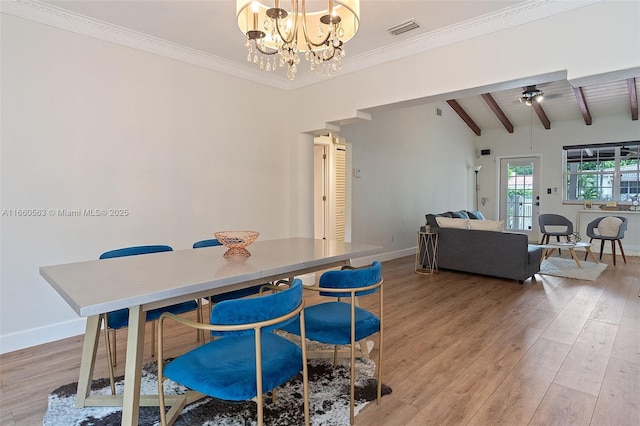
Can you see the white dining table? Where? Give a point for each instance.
(142, 283)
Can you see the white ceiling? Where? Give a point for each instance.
(205, 32)
(210, 25)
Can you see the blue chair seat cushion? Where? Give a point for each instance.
(330, 322)
(120, 318)
(226, 368)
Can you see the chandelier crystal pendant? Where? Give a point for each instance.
(276, 37)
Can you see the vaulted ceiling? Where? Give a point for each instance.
(562, 102)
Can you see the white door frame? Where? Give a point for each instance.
(533, 234)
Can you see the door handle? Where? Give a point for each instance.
(538, 204)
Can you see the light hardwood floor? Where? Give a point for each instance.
(459, 349)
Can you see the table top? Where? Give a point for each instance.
(564, 245)
(158, 279)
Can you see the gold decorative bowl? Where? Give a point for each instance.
(236, 241)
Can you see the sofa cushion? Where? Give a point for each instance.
(487, 225)
(446, 222)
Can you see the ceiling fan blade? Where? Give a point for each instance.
(553, 96)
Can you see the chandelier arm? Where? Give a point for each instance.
(294, 32)
(306, 34)
(264, 52)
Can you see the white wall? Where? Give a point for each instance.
(88, 124)
(413, 162)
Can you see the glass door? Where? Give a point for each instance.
(519, 196)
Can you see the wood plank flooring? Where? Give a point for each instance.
(460, 349)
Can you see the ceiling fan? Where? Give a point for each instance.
(532, 94)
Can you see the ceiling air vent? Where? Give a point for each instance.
(403, 27)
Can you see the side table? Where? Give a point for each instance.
(427, 253)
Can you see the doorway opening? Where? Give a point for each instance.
(332, 206)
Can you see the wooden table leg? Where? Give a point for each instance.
(590, 253)
(133, 367)
(88, 360)
(575, 257)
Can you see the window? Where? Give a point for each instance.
(602, 172)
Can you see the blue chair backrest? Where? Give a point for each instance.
(133, 251)
(207, 243)
(257, 309)
(350, 278)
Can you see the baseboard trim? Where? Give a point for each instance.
(383, 257)
(37, 336)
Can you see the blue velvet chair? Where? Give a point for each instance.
(246, 359)
(339, 323)
(235, 294)
(120, 319)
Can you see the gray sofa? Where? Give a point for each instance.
(498, 254)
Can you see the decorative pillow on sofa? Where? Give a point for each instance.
(431, 219)
(487, 225)
(460, 214)
(446, 222)
(477, 214)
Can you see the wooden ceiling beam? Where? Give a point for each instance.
(633, 97)
(465, 117)
(582, 103)
(541, 115)
(498, 111)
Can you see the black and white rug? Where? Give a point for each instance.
(328, 395)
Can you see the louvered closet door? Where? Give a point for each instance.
(340, 191)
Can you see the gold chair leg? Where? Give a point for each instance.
(153, 338)
(112, 380)
(113, 346)
(352, 384)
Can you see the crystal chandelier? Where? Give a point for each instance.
(276, 37)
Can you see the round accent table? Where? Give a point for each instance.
(427, 252)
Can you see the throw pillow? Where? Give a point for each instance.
(609, 226)
(431, 219)
(446, 222)
(477, 214)
(487, 225)
(460, 214)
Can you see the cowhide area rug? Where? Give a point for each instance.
(328, 395)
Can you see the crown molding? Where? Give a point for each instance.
(48, 14)
(513, 16)
(505, 18)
